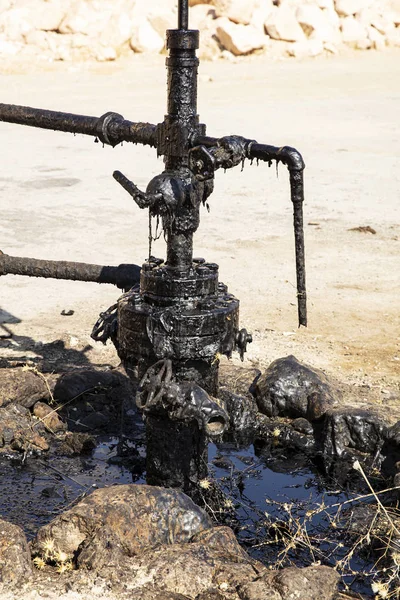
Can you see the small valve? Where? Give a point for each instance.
(201, 163)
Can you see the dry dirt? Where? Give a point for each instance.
(59, 201)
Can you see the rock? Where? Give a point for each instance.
(203, 17)
(393, 11)
(143, 8)
(326, 4)
(239, 39)
(352, 31)
(316, 24)
(131, 518)
(332, 17)
(238, 380)
(282, 25)
(47, 16)
(95, 420)
(105, 53)
(38, 39)
(76, 443)
(370, 16)
(76, 40)
(302, 426)
(29, 441)
(77, 383)
(24, 386)
(238, 11)
(9, 48)
(49, 417)
(92, 398)
(393, 38)
(330, 48)
(256, 590)
(117, 33)
(145, 38)
(310, 583)
(290, 389)
(391, 452)
(18, 430)
(261, 13)
(15, 557)
(364, 44)
(85, 17)
(392, 8)
(113, 27)
(210, 48)
(306, 48)
(352, 429)
(195, 569)
(15, 23)
(346, 8)
(242, 411)
(221, 538)
(161, 21)
(200, 16)
(377, 39)
(384, 26)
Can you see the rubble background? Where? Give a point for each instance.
(104, 30)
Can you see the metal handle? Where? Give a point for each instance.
(142, 199)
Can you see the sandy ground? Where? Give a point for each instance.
(59, 201)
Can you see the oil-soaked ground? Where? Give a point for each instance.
(280, 508)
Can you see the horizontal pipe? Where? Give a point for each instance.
(123, 276)
(110, 128)
(285, 154)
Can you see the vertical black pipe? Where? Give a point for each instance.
(177, 451)
(180, 123)
(183, 14)
(297, 196)
(177, 454)
(181, 120)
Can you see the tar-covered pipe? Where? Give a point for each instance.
(123, 276)
(295, 164)
(183, 14)
(297, 197)
(111, 128)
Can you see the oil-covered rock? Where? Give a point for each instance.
(289, 388)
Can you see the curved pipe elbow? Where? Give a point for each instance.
(285, 154)
(293, 158)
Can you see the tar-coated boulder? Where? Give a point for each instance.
(125, 518)
(291, 389)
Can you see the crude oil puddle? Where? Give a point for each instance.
(281, 518)
(33, 493)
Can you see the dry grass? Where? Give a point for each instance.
(365, 551)
(49, 555)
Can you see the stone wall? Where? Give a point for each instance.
(106, 29)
